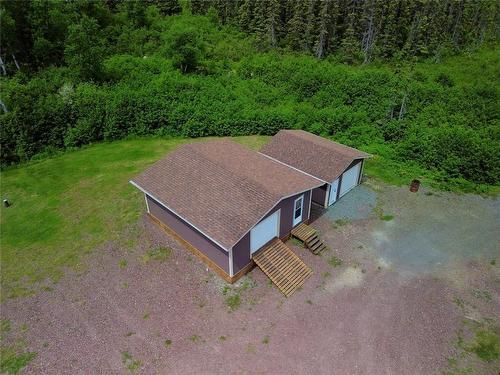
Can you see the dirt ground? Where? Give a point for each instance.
(419, 276)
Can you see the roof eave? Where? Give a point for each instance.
(226, 248)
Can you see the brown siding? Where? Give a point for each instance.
(190, 234)
(319, 194)
(241, 251)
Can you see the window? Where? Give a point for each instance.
(297, 210)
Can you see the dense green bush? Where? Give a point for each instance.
(188, 76)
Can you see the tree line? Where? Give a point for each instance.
(361, 30)
(76, 72)
(43, 33)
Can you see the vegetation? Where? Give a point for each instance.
(334, 261)
(195, 338)
(340, 222)
(233, 301)
(13, 357)
(419, 92)
(77, 72)
(160, 254)
(486, 345)
(360, 30)
(130, 363)
(65, 206)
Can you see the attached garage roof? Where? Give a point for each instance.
(220, 187)
(312, 154)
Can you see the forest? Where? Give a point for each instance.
(415, 83)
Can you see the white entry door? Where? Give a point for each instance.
(264, 232)
(298, 208)
(332, 195)
(349, 179)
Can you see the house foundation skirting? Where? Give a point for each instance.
(209, 262)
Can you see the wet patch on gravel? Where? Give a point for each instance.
(369, 308)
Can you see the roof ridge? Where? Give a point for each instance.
(325, 139)
(243, 176)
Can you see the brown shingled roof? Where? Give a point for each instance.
(221, 187)
(312, 154)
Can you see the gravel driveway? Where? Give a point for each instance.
(418, 276)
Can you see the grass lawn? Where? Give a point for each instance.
(63, 207)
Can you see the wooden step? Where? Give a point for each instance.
(285, 269)
(312, 241)
(316, 246)
(303, 232)
(319, 249)
(310, 238)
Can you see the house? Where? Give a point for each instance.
(339, 167)
(225, 202)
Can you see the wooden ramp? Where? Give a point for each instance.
(309, 236)
(282, 266)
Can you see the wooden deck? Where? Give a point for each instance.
(285, 269)
(303, 232)
(309, 236)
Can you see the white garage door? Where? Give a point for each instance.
(349, 179)
(264, 232)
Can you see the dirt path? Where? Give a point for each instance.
(379, 312)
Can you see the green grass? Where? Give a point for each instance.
(340, 223)
(130, 363)
(377, 210)
(65, 206)
(382, 166)
(482, 294)
(334, 261)
(4, 326)
(233, 302)
(160, 254)
(195, 338)
(486, 345)
(13, 359)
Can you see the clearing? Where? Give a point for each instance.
(410, 284)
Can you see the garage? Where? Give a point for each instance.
(349, 179)
(264, 232)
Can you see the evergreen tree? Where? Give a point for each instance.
(296, 25)
(324, 21)
(273, 21)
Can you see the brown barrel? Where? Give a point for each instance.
(415, 184)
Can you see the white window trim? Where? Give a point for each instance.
(301, 198)
(310, 203)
